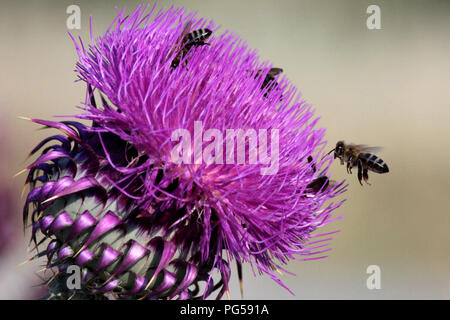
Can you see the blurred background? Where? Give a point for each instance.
(387, 87)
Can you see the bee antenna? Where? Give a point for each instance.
(328, 153)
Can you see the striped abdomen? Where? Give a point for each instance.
(198, 35)
(373, 163)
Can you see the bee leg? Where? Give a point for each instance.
(366, 176)
(349, 168)
(360, 172)
(350, 164)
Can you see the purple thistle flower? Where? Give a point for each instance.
(110, 198)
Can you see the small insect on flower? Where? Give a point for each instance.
(187, 40)
(361, 156)
(269, 79)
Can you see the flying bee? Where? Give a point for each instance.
(270, 77)
(187, 40)
(360, 156)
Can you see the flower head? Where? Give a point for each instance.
(197, 215)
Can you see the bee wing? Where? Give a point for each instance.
(366, 148)
(187, 27)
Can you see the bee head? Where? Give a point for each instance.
(339, 150)
(207, 33)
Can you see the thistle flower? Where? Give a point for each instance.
(110, 199)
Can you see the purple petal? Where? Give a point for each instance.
(51, 249)
(108, 256)
(139, 285)
(63, 220)
(64, 141)
(168, 282)
(135, 253)
(55, 154)
(65, 252)
(108, 222)
(45, 223)
(84, 221)
(168, 250)
(65, 187)
(110, 285)
(84, 257)
(189, 272)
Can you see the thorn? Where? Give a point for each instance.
(241, 287)
(150, 282)
(143, 297)
(25, 118)
(23, 191)
(78, 252)
(228, 294)
(50, 199)
(39, 216)
(20, 172)
(147, 286)
(24, 262)
(52, 278)
(27, 158)
(108, 280)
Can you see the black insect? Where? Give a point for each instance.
(269, 79)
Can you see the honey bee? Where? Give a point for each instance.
(273, 72)
(360, 156)
(189, 39)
